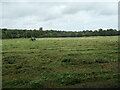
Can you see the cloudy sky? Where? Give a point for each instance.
(67, 16)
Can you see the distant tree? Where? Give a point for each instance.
(40, 28)
(4, 29)
(100, 30)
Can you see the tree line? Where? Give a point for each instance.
(15, 33)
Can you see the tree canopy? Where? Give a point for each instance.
(15, 33)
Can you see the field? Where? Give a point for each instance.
(85, 62)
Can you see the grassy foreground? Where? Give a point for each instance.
(60, 63)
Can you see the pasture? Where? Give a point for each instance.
(84, 62)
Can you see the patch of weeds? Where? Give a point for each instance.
(31, 52)
(72, 50)
(90, 49)
(15, 82)
(15, 47)
(67, 60)
(11, 44)
(38, 83)
(74, 78)
(3, 53)
(45, 49)
(78, 50)
(21, 70)
(69, 79)
(61, 50)
(7, 66)
(32, 48)
(87, 62)
(9, 60)
(55, 43)
(72, 54)
(114, 52)
(41, 69)
(101, 61)
(71, 61)
(45, 68)
(18, 67)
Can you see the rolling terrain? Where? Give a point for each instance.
(84, 62)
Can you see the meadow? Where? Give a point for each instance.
(84, 62)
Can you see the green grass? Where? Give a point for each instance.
(60, 63)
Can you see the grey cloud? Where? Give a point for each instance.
(58, 15)
(14, 10)
(48, 11)
(100, 8)
(45, 11)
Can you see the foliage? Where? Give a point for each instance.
(15, 33)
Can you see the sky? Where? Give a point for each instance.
(67, 16)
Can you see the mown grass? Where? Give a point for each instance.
(60, 63)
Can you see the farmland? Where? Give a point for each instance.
(81, 62)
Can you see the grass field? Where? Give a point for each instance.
(86, 62)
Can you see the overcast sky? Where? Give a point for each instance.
(75, 16)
